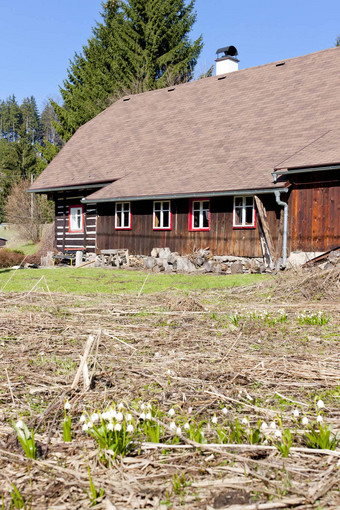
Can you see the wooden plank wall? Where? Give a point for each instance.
(315, 212)
(66, 240)
(222, 239)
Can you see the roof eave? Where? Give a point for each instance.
(299, 170)
(187, 195)
(70, 188)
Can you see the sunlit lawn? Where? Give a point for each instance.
(91, 280)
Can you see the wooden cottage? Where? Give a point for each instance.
(242, 163)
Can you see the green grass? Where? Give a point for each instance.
(15, 242)
(93, 281)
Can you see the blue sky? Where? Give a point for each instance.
(38, 37)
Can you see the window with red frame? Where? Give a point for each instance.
(162, 218)
(244, 215)
(76, 218)
(123, 215)
(199, 215)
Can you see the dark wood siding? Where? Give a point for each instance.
(222, 239)
(66, 240)
(314, 207)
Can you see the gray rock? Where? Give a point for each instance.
(236, 268)
(154, 252)
(157, 269)
(172, 258)
(185, 265)
(149, 262)
(164, 253)
(218, 268)
(168, 268)
(208, 266)
(200, 261)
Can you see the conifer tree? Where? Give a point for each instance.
(140, 45)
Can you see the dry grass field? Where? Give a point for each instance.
(191, 397)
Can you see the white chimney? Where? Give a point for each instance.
(226, 61)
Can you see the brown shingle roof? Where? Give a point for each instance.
(210, 135)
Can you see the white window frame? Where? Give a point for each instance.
(201, 215)
(123, 225)
(243, 207)
(161, 210)
(76, 218)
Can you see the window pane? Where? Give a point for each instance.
(196, 206)
(118, 207)
(126, 206)
(206, 205)
(196, 219)
(205, 218)
(166, 219)
(119, 219)
(126, 219)
(157, 206)
(238, 215)
(238, 201)
(157, 218)
(249, 201)
(249, 215)
(166, 206)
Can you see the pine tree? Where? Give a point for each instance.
(140, 45)
(30, 118)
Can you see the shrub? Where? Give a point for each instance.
(9, 258)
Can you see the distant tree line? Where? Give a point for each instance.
(28, 142)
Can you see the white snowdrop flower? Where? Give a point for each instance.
(119, 417)
(264, 426)
(142, 416)
(296, 413)
(149, 406)
(94, 417)
(121, 406)
(67, 406)
(128, 417)
(90, 424)
(112, 414)
(273, 425)
(106, 416)
(148, 416)
(110, 426)
(278, 433)
(320, 404)
(82, 418)
(304, 420)
(265, 442)
(173, 425)
(178, 431)
(19, 424)
(225, 410)
(85, 427)
(249, 397)
(190, 410)
(171, 412)
(129, 428)
(319, 419)
(142, 406)
(214, 419)
(187, 426)
(118, 427)
(245, 421)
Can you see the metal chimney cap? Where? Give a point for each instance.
(229, 51)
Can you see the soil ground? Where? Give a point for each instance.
(194, 352)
